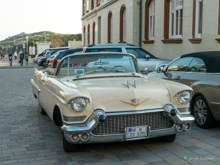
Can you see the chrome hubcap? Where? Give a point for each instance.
(200, 111)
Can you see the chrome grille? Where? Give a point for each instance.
(117, 124)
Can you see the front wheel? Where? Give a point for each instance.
(168, 138)
(68, 147)
(202, 113)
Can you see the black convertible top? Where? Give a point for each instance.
(211, 60)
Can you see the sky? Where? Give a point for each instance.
(60, 16)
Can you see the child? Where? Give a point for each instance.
(26, 58)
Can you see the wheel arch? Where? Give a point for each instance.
(195, 96)
(57, 115)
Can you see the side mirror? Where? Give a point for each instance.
(146, 71)
(147, 56)
(160, 68)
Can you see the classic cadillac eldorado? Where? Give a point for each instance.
(102, 97)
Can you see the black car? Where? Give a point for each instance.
(61, 54)
(43, 61)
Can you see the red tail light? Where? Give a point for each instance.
(55, 60)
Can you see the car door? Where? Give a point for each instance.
(176, 70)
(144, 62)
(195, 72)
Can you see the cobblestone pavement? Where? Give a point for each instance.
(26, 137)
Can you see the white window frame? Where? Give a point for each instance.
(197, 34)
(124, 25)
(174, 27)
(111, 29)
(151, 20)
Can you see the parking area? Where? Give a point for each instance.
(26, 137)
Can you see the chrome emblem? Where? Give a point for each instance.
(135, 102)
(128, 84)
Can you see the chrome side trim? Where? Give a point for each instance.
(214, 103)
(35, 85)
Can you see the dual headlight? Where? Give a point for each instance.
(184, 97)
(79, 104)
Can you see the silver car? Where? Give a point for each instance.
(201, 72)
(146, 61)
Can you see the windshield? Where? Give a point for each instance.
(96, 64)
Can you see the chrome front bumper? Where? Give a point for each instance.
(93, 122)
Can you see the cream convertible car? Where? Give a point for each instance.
(102, 97)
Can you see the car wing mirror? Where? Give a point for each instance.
(147, 56)
(161, 68)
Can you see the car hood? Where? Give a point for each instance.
(115, 94)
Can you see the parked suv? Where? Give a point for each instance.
(146, 61)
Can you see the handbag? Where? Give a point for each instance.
(19, 61)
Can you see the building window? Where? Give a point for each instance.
(97, 3)
(151, 20)
(93, 33)
(92, 4)
(87, 6)
(173, 21)
(84, 7)
(110, 26)
(89, 34)
(123, 24)
(198, 20)
(84, 36)
(176, 18)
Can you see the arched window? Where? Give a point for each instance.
(123, 24)
(84, 7)
(89, 34)
(93, 33)
(84, 36)
(97, 3)
(92, 4)
(149, 21)
(110, 26)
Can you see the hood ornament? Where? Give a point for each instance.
(135, 102)
(128, 84)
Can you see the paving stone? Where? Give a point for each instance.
(175, 160)
(152, 158)
(136, 162)
(200, 152)
(124, 157)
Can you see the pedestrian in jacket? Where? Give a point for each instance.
(10, 58)
(26, 58)
(21, 58)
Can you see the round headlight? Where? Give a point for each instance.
(184, 97)
(79, 104)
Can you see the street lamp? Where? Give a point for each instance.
(27, 44)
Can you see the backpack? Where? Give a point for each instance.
(22, 55)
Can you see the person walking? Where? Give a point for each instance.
(10, 56)
(15, 55)
(26, 58)
(1, 54)
(21, 57)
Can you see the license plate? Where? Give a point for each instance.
(135, 132)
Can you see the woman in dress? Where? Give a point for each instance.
(15, 55)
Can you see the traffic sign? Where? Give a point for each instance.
(24, 45)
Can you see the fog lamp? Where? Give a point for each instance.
(75, 137)
(187, 126)
(179, 128)
(85, 137)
